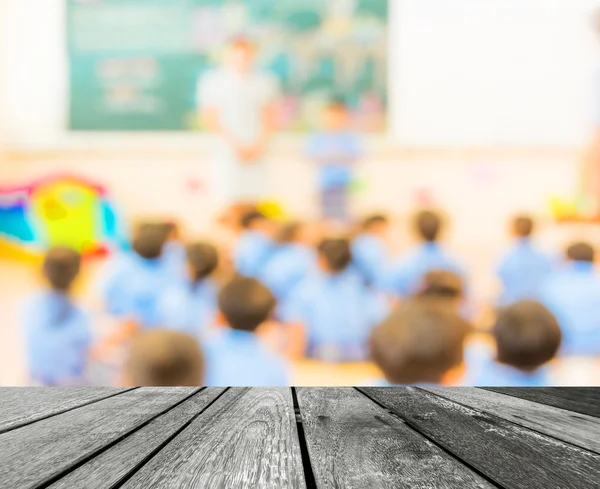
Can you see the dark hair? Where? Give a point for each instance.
(527, 335)
(581, 252)
(428, 224)
(250, 217)
(203, 258)
(165, 358)
(374, 220)
(442, 284)
(149, 240)
(246, 303)
(61, 267)
(337, 253)
(523, 226)
(420, 341)
(289, 231)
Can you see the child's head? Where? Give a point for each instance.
(255, 220)
(172, 231)
(61, 267)
(442, 284)
(149, 240)
(335, 114)
(523, 226)
(245, 304)
(428, 225)
(202, 260)
(582, 252)
(421, 341)
(335, 254)
(164, 358)
(527, 335)
(377, 224)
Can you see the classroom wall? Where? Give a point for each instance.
(462, 73)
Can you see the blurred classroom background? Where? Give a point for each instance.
(481, 109)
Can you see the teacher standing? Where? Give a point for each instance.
(236, 102)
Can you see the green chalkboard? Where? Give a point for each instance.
(134, 64)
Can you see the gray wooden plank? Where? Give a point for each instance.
(37, 453)
(583, 400)
(246, 439)
(510, 455)
(577, 429)
(112, 466)
(23, 405)
(354, 443)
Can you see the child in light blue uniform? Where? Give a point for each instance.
(135, 280)
(527, 337)
(524, 268)
(190, 306)
(406, 275)
(292, 261)
(235, 355)
(573, 296)
(255, 245)
(335, 150)
(335, 307)
(58, 332)
(420, 343)
(174, 255)
(370, 254)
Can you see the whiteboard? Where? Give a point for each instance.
(493, 72)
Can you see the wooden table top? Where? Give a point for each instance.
(299, 438)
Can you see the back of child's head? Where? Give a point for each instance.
(421, 341)
(335, 254)
(253, 219)
(583, 252)
(374, 223)
(527, 335)
(289, 232)
(245, 303)
(172, 230)
(202, 259)
(428, 225)
(149, 240)
(164, 358)
(442, 284)
(61, 267)
(523, 226)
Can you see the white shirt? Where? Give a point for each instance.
(240, 100)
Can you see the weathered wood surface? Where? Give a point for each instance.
(23, 405)
(508, 454)
(578, 399)
(246, 439)
(115, 464)
(38, 452)
(578, 429)
(352, 442)
(299, 438)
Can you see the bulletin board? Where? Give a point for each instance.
(134, 64)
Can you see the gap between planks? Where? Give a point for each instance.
(56, 413)
(82, 462)
(432, 440)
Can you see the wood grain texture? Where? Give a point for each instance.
(246, 439)
(574, 428)
(112, 466)
(354, 443)
(582, 400)
(23, 405)
(511, 456)
(36, 453)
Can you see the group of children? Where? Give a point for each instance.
(191, 314)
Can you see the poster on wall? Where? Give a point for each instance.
(134, 64)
